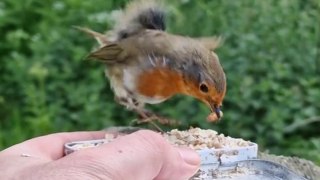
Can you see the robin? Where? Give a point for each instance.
(145, 64)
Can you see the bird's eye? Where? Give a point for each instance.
(204, 88)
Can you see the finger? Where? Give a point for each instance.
(190, 167)
(141, 155)
(52, 146)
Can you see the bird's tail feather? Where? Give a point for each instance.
(138, 15)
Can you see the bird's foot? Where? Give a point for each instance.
(146, 116)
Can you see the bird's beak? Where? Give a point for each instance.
(215, 109)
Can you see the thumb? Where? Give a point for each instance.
(140, 155)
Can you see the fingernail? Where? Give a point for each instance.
(190, 156)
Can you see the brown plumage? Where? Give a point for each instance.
(145, 64)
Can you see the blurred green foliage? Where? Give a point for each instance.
(270, 55)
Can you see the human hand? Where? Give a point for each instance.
(142, 155)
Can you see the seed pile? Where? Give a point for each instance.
(197, 139)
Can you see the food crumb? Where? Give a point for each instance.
(212, 117)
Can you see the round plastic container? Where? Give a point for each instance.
(212, 159)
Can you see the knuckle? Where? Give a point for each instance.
(90, 166)
(153, 139)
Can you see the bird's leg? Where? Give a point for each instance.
(145, 116)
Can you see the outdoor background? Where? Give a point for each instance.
(271, 56)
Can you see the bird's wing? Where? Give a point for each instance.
(129, 49)
(111, 53)
(148, 43)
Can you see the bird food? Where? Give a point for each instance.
(197, 139)
(213, 117)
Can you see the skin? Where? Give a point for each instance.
(140, 155)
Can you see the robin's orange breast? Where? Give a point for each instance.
(160, 82)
